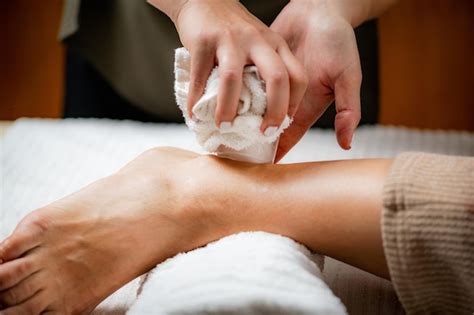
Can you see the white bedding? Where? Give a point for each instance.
(80, 151)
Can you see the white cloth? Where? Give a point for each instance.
(245, 273)
(43, 160)
(245, 129)
(268, 249)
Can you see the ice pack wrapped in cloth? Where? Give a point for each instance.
(243, 140)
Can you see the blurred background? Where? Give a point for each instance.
(417, 62)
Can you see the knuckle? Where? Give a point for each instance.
(5, 246)
(229, 32)
(207, 38)
(24, 267)
(37, 221)
(278, 77)
(248, 32)
(230, 75)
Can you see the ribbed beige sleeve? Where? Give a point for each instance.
(428, 232)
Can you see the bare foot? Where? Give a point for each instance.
(67, 257)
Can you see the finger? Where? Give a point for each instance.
(12, 272)
(308, 113)
(297, 76)
(274, 73)
(347, 91)
(202, 62)
(22, 291)
(231, 65)
(290, 137)
(34, 305)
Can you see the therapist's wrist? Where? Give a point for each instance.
(356, 12)
(353, 12)
(171, 8)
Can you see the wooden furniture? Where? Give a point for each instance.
(425, 57)
(426, 50)
(31, 59)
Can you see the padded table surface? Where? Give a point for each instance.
(43, 160)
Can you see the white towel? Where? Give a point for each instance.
(245, 130)
(246, 273)
(69, 154)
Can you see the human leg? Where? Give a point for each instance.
(70, 255)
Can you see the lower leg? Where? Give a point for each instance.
(74, 253)
(333, 207)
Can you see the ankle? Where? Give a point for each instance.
(227, 197)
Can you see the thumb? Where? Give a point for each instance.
(290, 138)
(347, 91)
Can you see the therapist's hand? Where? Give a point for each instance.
(223, 32)
(323, 40)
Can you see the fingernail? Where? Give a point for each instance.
(270, 131)
(350, 141)
(225, 126)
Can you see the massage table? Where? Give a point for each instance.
(45, 159)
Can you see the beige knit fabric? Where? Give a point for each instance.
(428, 232)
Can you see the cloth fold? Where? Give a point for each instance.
(245, 129)
(245, 273)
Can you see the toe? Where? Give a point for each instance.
(26, 236)
(22, 291)
(15, 246)
(12, 272)
(34, 305)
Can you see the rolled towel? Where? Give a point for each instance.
(245, 130)
(245, 273)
